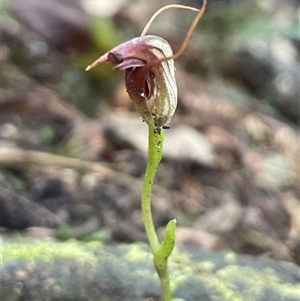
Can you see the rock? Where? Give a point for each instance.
(181, 142)
(185, 143)
(226, 148)
(18, 212)
(270, 76)
(39, 233)
(223, 219)
(189, 238)
(42, 114)
(41, 270)
(116, 202)
(277, 171)
(64, 24)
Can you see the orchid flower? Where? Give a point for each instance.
(148, 61)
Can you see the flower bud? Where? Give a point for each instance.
(150, 83)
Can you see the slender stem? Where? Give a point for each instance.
(160, 256)
(164, 278)
(155, 147)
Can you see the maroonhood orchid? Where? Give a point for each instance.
(148, 62)
(153, 90)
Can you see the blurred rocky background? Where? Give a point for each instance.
(73, 150)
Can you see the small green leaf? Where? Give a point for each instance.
(167, 244)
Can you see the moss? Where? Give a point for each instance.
(128, 270)
(230, 257)
(138, 252)
(255, 282)
(46, 251)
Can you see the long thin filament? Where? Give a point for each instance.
(188, 35)
(146, 28)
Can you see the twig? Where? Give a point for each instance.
(23, 159)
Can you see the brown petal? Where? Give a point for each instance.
(130, 63)
(136, 48)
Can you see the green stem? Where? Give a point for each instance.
(155, 147)
(162, 251)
